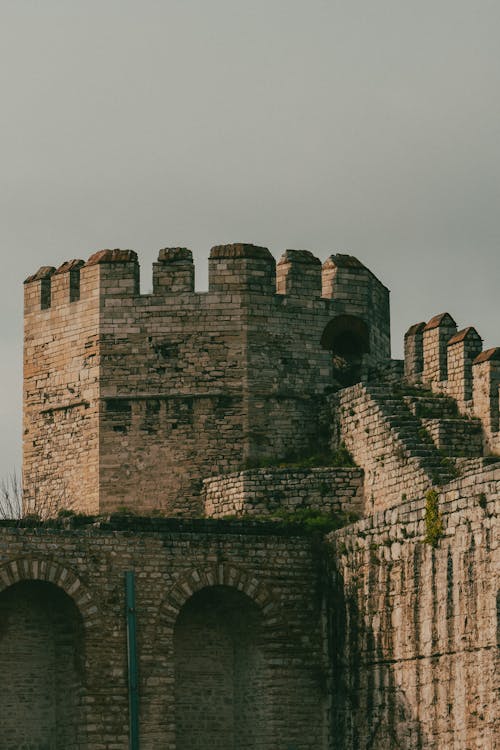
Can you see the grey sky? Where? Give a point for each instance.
(367, 126)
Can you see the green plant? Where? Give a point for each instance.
(482, 501)
(342, 457)
(65, 513)
(433, 520)
(124, 510)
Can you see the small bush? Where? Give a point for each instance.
(433, 521)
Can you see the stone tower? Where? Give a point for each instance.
(130, 400)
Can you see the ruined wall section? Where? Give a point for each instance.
(275, 491)
(414, 631)
(61, 388)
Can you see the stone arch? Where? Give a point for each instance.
(186, 587)
(221, 665)
(348, 338)
(42, 703)
(222, 574)
(50, 571)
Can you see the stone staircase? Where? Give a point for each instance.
(406, 439)
(430, 429)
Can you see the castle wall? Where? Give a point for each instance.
(277, 574)
(260, 492)
(136, 398)
(414, 642)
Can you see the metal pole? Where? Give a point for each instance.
(133, 687)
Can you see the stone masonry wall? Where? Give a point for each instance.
(415, 641)
(275, 574)
(264, 491)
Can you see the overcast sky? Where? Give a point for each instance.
(365, 126)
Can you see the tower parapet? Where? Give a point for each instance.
(173, 273)
(359, 294)
(486, 393)
(113, 273)
(436, 335)
(66, 282)
(241, 268)
(38, 288)
(462, 350)
(298, 273)
(414, 351)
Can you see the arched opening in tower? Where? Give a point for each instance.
(41, 652)
(348, 339)
(219, 664)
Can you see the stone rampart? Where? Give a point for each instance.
(415, 641)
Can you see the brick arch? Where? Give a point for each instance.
(50, 571)
(223, 574)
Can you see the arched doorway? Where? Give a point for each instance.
(348, 338)
(219, 672)
(41, 665)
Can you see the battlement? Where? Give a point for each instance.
(232, 269)
(452, 362)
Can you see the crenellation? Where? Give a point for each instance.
(463, 348)
(65, 283)
(116, 272)
(298, 272)
(486, 385)
(37, 290)
(436, 334)
(414, 351)
(470, 377)
(241, 268)
(173, 273)
(257, 364)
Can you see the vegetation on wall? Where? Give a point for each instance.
(433, 520)
(340, 458)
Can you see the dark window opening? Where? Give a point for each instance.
(348, 339)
